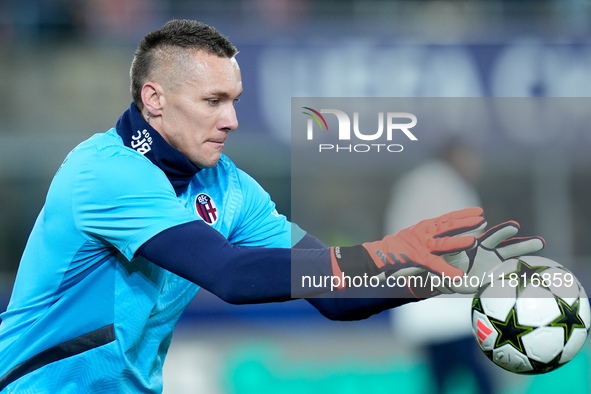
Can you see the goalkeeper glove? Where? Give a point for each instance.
(421, 245)
(493, 247)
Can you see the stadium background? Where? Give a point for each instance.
(64, 76)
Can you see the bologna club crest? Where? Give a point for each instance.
(206, 208)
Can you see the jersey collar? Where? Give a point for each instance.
(138, 135)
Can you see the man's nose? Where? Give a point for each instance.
(229, 120)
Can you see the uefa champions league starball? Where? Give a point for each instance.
(530, 315)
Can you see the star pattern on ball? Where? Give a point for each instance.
(510, 331)
(525, 273)
(569, 318)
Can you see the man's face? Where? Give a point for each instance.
(197, 116)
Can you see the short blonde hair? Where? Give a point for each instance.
(173, 45)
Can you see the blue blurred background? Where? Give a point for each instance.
(64, 76)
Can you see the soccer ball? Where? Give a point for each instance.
(531, 315)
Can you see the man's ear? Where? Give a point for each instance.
(152, 98)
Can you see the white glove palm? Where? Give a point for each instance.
(493, 247)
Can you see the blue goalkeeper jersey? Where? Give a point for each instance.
(85, 314)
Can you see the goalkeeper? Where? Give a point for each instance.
(138, 218)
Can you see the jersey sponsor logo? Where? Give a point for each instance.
(206, 208)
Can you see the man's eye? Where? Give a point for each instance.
(213, 101)
(236, 101)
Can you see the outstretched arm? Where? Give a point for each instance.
(242, 275)
(238, 275)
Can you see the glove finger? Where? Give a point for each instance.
(499, 233)
(439, 266)
(516, 247)
(451, 220)
(460, 214)
(460, 226)
(447, 245)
